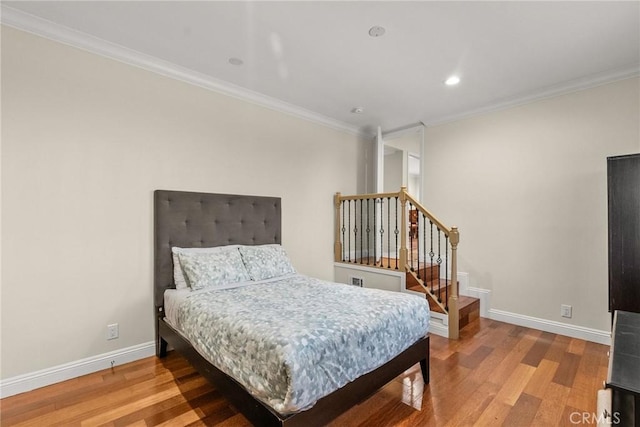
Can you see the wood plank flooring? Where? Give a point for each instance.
(496, 374)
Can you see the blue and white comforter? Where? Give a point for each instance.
(292, 341)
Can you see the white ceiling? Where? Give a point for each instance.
(318, 56)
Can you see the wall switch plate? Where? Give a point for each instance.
(565, 310)
(112, 331)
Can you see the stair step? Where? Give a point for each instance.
(428, 272)
(417, 288)
(441, 285)
(468, 307)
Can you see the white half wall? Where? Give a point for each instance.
(85, 141)
(371, 277)
(527, 188)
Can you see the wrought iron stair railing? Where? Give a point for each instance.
(394, 231)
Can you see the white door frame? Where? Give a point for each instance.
(379, 154)
(379, 162)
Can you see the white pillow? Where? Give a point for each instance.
(266, 261)
(178, 275)
(211, 269)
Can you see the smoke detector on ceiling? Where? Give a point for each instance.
(376, 31)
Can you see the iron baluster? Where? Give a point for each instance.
(446, 272)
(397, 231)
(411, 240)
(361, 251)
(424, 245)
(349, 228)
(355, 231)
(381, 231)
(388, 233)
(439, 261)
(417, 241)
(431, 254)
(343, 230)
(368, 232)
(375, 232)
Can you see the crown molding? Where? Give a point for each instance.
(575, 85)
(41, 27)
(61, 34)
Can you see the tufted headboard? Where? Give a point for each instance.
(193, 220)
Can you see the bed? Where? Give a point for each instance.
(202, 220)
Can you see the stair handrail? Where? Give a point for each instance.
(454, 238)
(447, 230)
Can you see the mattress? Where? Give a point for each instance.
(295, 339)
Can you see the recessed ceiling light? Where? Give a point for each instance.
(357, 110)
(452, 81)
(376, 31)
(236, 61)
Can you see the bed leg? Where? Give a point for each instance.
(424, 366)
(161, 344)
(161, 347)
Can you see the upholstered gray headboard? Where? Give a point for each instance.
(193, 220)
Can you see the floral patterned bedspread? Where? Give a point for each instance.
(292, 341)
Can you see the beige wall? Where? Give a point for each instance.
(527, 186)
(393, 171)
(408, 140)
(85, 141)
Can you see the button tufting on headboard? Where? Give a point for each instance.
(186, 219)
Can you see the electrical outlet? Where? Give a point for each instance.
(565, 310)
(357, 281)
(112, 331)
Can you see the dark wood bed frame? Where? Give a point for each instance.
(187, 219)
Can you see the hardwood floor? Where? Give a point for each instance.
(496, 374)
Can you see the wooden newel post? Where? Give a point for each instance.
(337, 245)
(454, 314)
(404, 253)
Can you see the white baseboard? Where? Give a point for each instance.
(573, 331)
(56, 374)
(463, 282)
(439, 324)
(484, 295)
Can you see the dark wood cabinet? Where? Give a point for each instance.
(623, 377)
(623, 180)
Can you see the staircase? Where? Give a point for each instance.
(437, 289)
(394, 231)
